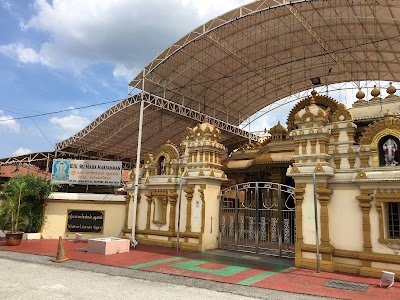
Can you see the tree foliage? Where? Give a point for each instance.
(23, 205)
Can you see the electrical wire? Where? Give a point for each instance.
(60, 111)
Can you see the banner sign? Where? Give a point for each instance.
(85, 221)
(86, 172)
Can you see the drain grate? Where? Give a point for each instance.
(81, 249)
(346, 285)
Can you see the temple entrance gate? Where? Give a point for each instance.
(258, 217)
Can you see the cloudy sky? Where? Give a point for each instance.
(62, 55)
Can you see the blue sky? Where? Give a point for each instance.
(65, 54)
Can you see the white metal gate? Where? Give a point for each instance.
(258, 217)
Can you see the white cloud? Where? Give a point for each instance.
(122, 71)
(125, 33)
(71, 124)
(5, 4)
(8, 123)
(21, 151)
(24, 55)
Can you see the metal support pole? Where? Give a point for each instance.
(179, 214)
(236, 216)
(316, 222)
(139, 148)
(279, 220)
(257, 206)
(249, 132)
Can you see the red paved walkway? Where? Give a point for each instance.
(217, 267)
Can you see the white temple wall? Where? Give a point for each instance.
(309, 215)
(211, 224)
(345, 218)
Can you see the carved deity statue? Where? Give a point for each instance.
(390, 147)
(162, 166)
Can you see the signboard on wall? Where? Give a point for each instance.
(85, 221)
(86, 172)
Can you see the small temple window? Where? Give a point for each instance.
(160, 210)
(389, 154)
(393, 220)
(162, 166)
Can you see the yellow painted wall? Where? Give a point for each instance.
(56, 212)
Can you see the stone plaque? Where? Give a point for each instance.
(85, 221)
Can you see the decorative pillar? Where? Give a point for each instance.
(207, 156)
(337, 161)
(189, 196)
(365, 204)
(313, 150)
(203, 206)
(324, 195)
(172, 198)
(352, 161)
(128, 199)
(364, 160)
(149, 198)
(322, 146)
(165, 204)
(351, 134)
(299, 191)
(336, 134)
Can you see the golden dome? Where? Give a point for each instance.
(375, 94)
(391, 90)
(360, 95)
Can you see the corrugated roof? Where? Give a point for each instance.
(238, 63)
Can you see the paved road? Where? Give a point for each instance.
(25, 276)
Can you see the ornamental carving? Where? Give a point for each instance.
(379, 129)
(148, 158)
(168, 150)
(188, 133)
(262, 159)
(376, 133)
(341, 114)
(322, 101)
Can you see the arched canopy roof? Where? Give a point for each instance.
(240, 62)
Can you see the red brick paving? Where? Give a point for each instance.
(292, 280)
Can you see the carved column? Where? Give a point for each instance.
(324, 195)
(303, 147)
(352, 161)
(296, 150)
(322, 146)
(203, 207)
(365, 204)
(189, 196)
(364, 160)
(299, 197)
(128, 199)
(337, 161)
(164, 214)
(172, 198)
(351, 133)
(149, 199)
(313, 149)
(336, 134)
(190, 157)
(207, 156)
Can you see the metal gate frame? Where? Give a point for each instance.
(258, 217)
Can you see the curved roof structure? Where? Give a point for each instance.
(238, 63)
